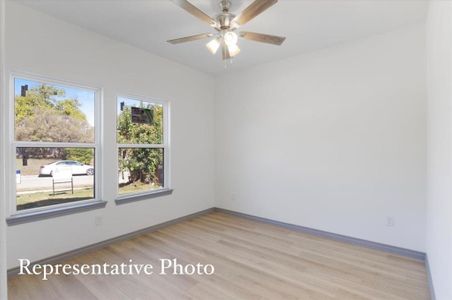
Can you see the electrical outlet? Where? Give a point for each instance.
(390, 221)
(98, 220)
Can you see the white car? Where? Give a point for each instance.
(76, 167)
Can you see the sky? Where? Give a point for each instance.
(85, 97)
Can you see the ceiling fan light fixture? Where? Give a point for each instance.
(233, 49)
(213, 45)
(231, 38)
(226, 23)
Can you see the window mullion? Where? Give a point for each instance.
(20, 144)
(141, 146)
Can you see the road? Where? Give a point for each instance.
(35, 183)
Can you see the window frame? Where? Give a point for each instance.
(165, 146)
(13, 145)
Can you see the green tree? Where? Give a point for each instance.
(70, 108)
(41, 116)
(84, 156)
(48, 125)
(40, 97)
(143, 165)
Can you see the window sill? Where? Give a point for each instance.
(26, 217)
(143, 196)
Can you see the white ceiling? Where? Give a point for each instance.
(307, 24)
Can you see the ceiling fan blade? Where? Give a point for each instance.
(263, 38)
(256, 8)
(225, 51)
(193, 10)
(190, 38)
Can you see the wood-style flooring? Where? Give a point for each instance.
(252, 260)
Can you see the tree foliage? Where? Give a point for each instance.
(84, 156)
(49, 125)
(40, 116)
(143, 164)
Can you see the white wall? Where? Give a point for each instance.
(439, 120)
(333, 140)
(3, 285)
(42, 45)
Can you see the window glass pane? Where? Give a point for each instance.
(139, 122)
(140, 170)
(43, 177)
(53, 113)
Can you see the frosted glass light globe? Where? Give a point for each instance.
(231, 38)
(213, 45)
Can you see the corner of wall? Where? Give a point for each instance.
(3, 283)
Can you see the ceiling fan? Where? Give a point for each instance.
(226, 25)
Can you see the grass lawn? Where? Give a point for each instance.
(137, 187)
(39, 199)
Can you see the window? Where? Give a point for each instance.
(55, 144)
(143, 153)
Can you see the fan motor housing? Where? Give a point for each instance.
(224, 20)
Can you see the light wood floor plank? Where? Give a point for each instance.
(253, 260)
